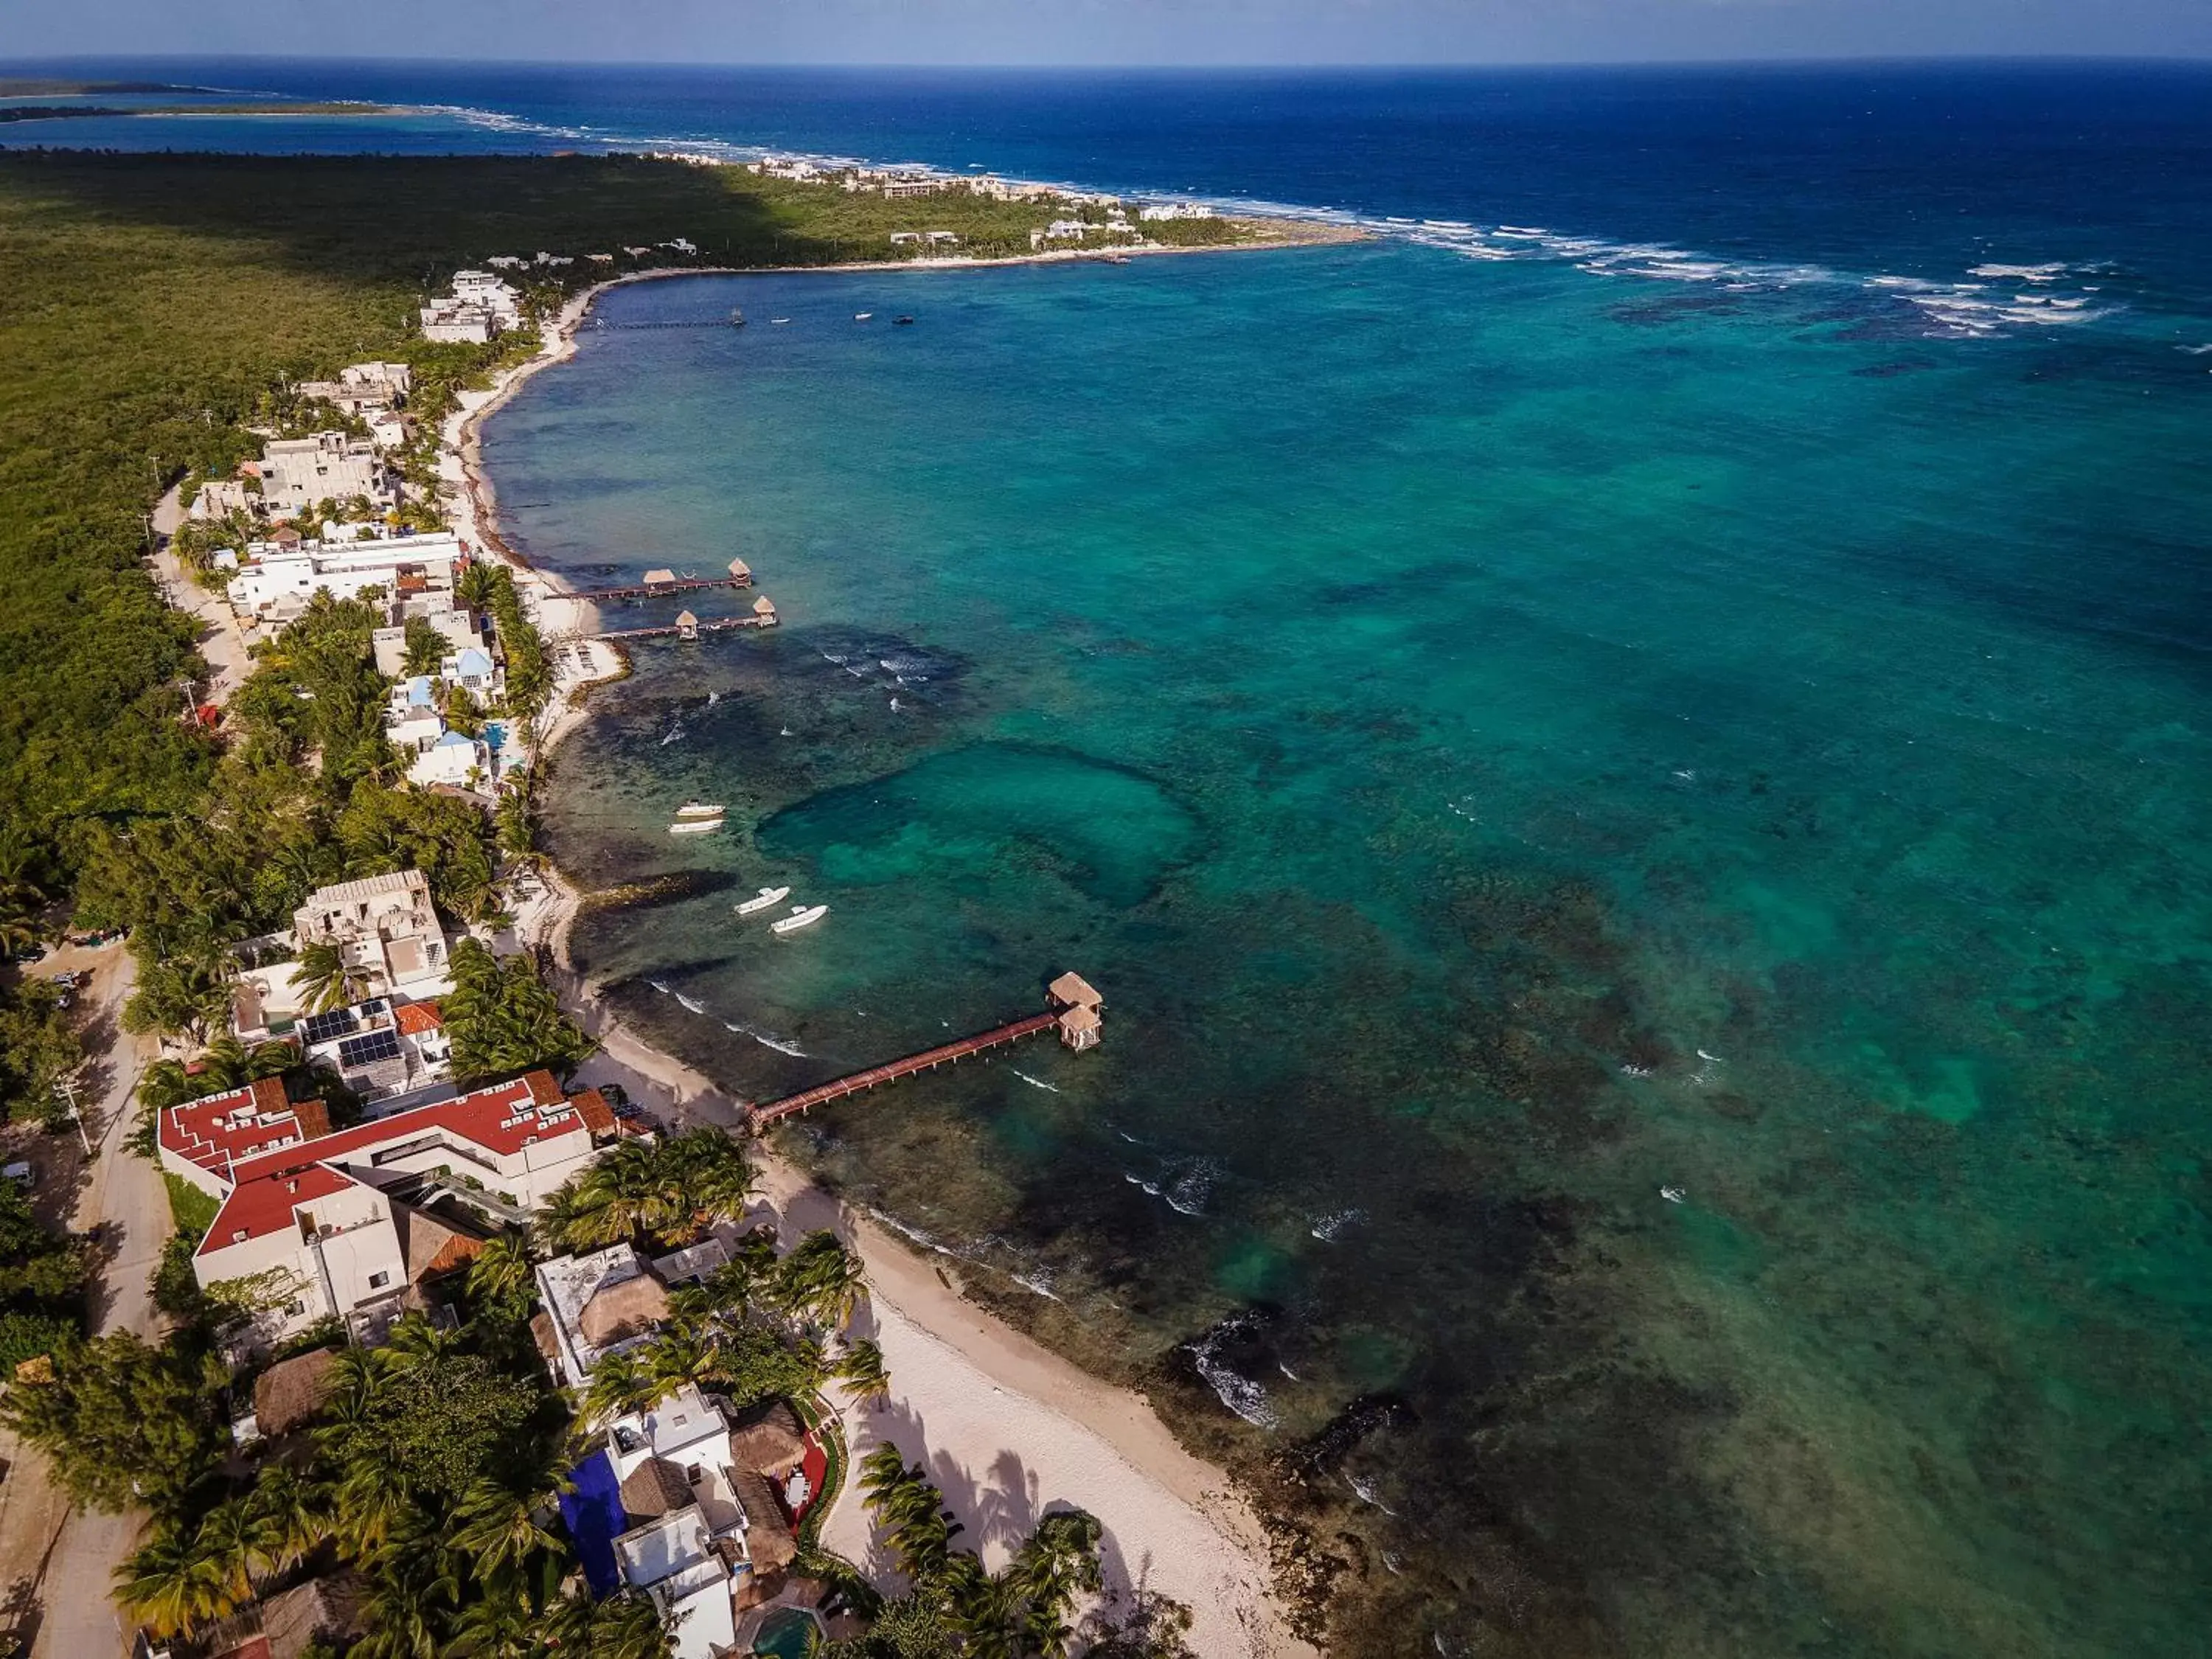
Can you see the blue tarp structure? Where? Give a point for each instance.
(595, 1518)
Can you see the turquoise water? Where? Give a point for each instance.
(786, 1635)
(1505, 740)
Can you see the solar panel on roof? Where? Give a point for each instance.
(321, 1028)
(369, 1049)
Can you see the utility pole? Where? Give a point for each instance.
(68, 1086)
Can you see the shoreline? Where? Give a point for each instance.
(994, 1414)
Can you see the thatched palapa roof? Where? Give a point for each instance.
(328, 1608)
(769, 1440)
(655, 1488)
(1073, 991)
(630, 1307)
(768, 1535)
(290, 1391)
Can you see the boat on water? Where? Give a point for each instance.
(802, 915)
(902, 322)
(696, 809)
(862, 316)
(736, 318)
(779, 321)
(768, 895)
(693, 826)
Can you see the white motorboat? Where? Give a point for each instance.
(862, 316)
(802, 915)
(768, 895)
(692, 809)
(693, 826)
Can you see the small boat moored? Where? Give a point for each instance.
(768, 895)
(802, 915)
(736, 318)
(695, 826)
(862, 316)
(902, 322)
(696, 809)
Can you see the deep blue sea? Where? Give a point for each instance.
(1633, 755)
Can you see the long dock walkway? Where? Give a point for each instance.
(875, 1075)
(655, 590)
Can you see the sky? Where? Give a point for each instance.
(1108, 32)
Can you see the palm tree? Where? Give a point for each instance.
(711, 1174)
(171, 1586)
(372, 1507)
(860, 1369)
(684, 1352)
(621, 1383)
(820, 1280)
(233, 1540)
(295, 1513)
(499, 1526)
(501, 1272)
(322, 977)
(415, 1340)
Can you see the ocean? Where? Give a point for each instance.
(1630, 756)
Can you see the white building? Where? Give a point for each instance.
(297, 472)
(346, 1223)
(383, 1052)
(275, 582)
(456, 627)
(361, 388)
(1157, 211)
(595, 1306)
(387, 929)
(492, 293)
(454, 324)
(455, 760)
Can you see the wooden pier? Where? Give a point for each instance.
(659, 582)
(681, 629)
(1073, 1012)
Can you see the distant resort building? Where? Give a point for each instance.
(275, 579)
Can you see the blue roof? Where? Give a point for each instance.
(595, 1518)
(455, 740)
(473, 661)
(418, 691)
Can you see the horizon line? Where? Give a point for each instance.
(1375, 66)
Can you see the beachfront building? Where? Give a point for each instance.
(330, 467)
(455, 625)
(492, 293)
(454, 760)
(681, 1502)
(452, 323)
(277, 578)
(595, 1306)
(363, 388)
(352, 1223)
(386, 928)
(1159, 211)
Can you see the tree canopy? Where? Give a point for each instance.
(502, 1020)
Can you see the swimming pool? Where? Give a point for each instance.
(785, 1634)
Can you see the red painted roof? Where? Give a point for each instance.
(227, 1129)
(258, 1208)
(493, 1118)
(502, 1118)
(598, 1117)
(414, 1019)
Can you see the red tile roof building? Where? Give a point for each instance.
(315, 1203)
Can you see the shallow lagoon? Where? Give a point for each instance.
(1505, 741)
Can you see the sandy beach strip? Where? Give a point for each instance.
(1008, 1429)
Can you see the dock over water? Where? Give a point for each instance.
(1072, 1009)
